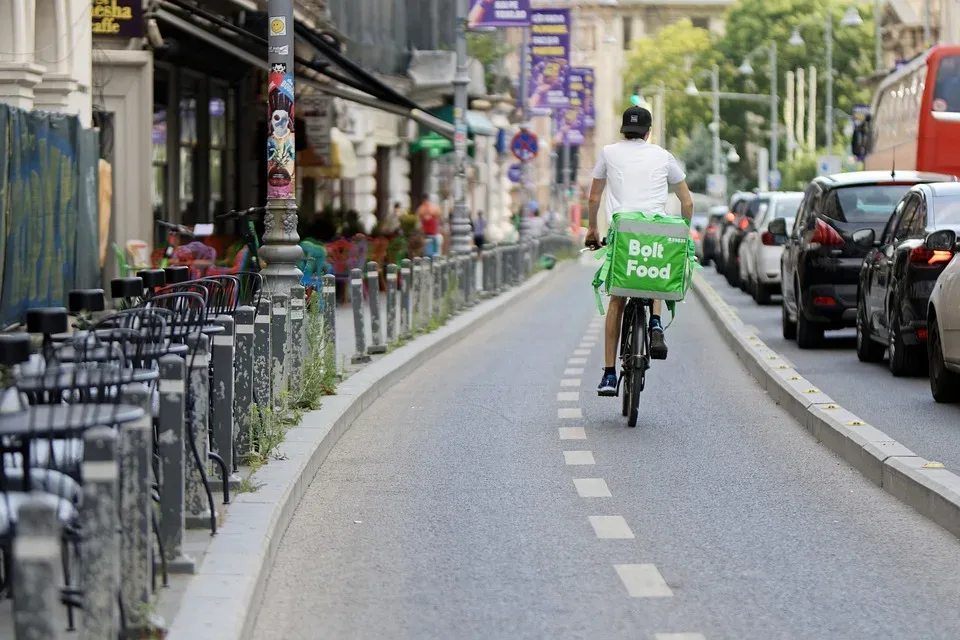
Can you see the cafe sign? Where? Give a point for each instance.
(122, 18)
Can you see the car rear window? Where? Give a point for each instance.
(787, 206)
(863, 203)
(757, 207)
(946, 212)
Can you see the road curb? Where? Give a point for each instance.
(924, 485)
(223, 598)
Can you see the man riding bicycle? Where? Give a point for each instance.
(636, 175)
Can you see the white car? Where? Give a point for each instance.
(760, 251)
(943, 323)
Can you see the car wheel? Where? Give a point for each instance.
(944, 384)
(761, 293)
(732, 273)
(867, 349)
(788, 326)
(903, 360)
(808, 335)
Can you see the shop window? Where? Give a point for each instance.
(159, 156)
(218, 147)
(188, 149)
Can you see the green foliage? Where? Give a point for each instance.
(488, 49)
(798, 173)
(268, 428)
(319, 374)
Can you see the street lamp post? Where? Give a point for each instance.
(460, 225)
(746, 69)
(692, 90)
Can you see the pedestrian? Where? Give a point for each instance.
(391, 223)
(429, 214)
(537, 224)
(479, 230)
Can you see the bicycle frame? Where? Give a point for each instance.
(634, 355)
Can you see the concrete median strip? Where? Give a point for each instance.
(920, 483)
(242, 555)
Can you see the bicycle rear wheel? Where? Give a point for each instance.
(637, 362)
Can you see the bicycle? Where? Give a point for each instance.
(248, 233)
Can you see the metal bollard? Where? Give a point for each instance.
(36, 574)
(391, 303)
(330, 312)
(136, 498)
(464, 280)
(242, 382)
(100, 569)
(435, 294)
(262, 379)
(298, 334)
(359, 328)
(198, 428)
(376, 330)
(172, 448)
(406, 291)
(221, 411)
(278, 344)
(416, 315)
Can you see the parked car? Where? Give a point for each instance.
(943, 323)
(760, 252)
(820, 266)
(711, 235)
(898, 275)
(746, 210)
(736, 204)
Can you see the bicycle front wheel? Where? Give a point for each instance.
(634, 364)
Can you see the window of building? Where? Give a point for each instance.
(160, 164)
(701, 23)
(627, 32)
(188, 148)
(218, 146)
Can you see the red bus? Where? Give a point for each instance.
(916, 115)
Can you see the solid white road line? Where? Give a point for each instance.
(572, 433)
(570, 382)
(568, 396)
(643, 581)
(577, 361)
(611, 528)
(592, 488)
(569, 413)
(581, 352)
(578, 458)
(679, 636)
(573, 372)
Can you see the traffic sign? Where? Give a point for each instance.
(776, 180)
(525, 146)
(515, 173)
(716, 185)
(828, 165)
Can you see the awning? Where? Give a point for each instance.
(479, 124)
(366, 88)
(343, 159)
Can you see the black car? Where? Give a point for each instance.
(711, 235)
(820, 267)
(746, 211)
(737, 205)
(898, 275)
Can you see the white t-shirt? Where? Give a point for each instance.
(637, 175)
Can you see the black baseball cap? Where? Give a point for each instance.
(636, 120)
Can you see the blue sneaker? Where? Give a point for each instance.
(608, 385)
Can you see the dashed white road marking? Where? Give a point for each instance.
(581, 352)
(587, 345)
(578, 458)
(569, 413)
(592, 488)
(643, 581)
(572, 433)
(611, 527)
(573, 372)
(679, 636)
(568, 396)
(570, 382)
(577, 361)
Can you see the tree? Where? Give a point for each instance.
(489, 49)
(665, 58)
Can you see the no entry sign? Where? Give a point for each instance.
(525, 146)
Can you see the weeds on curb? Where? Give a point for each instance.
(247, 485)
(268, 427)
(319, 376)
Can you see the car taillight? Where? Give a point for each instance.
(922, 254)
(826, 235)
(921, 334)
(824, 301)
(731, 217)
(767, 238)
(711, 229)
(695, 235)
(744, 224)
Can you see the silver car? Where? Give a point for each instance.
(943, 321)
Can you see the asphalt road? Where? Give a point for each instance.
(492, 494)
(901, 407)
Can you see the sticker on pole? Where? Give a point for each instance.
(278, 26)
(525, 146)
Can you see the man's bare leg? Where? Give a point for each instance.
(614, 319)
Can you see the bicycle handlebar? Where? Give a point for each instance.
(182, 230)
(241, 213)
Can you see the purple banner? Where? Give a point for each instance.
(568, 127)
(549, 60)
(589, 105)
(498, 13)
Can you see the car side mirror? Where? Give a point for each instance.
(865, 237)
(778, 227)
(944, 240)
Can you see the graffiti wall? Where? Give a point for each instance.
(48, 213)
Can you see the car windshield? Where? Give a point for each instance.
(946, 93)
(863, 203)
(787, 206)
(946, 212)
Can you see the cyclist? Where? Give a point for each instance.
(636, 175)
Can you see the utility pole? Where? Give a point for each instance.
(829, 111)
(281, 250)
(774, 117)
(524, 228)
(878, 35)
(715, 85)
(459, 224)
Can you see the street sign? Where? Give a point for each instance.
(776, 180)
(828, 165)
(716, 185)
(525, 146)
(515, 173)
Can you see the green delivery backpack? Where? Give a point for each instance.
(648, 255)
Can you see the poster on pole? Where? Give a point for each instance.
(549, 60)
(485, 14)
(568, 127)
(589, 105)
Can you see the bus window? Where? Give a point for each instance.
(946, 93)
